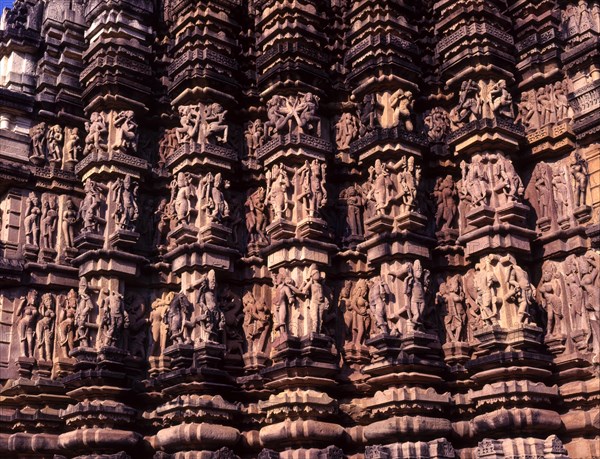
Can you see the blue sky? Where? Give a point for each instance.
(5, 3)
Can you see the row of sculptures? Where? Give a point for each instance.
(293, 114)
(580, 17)
(558, 193)
(497, 292)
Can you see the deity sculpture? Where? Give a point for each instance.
(230, 304)
(72, 146)
(182, 192)
(543, 190)
(501, 100)
(395, 107)
(358, 310)
(97, 134)
(381, 187)
(296, 113)
(125, 198)
(66, 323)
(199, 123)
(89, 209)
(159, 326)
(136, 324)
(475, 182)
(162, 220)
(212, 197)
(257, 323)
(313, 288)
(408, 180)
(31, 222)
(520, 293)
(278, 184)
(126, 135)
(27, 309)
(166, 146)
(579, 173)
(469, 106)
(113, 317)
(85, 306)
(486, 287)
(445, 196)
(255, 137)
(256, 216)
(528, 115)
(366, 113)
(452, 299)
(438, 124)
(44, 330)
(353, 203)
(69, 218)
(508, 184)
(416, 285)
(311, 194)
(54, 139)
(178, 320)
(284, 300)
(379, 295)
(209, 316)
(549, 295)
(346, 130)
(49, 221)
(38, 143)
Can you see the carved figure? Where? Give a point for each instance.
(452, 299)
(209, 317)
(255, 137)
(395, 108)
(166, 146)
(126, 136)
(579, 173)
(49, 221)
(416, 284)
(501, 100)
(162, 220)
(508, 184)
(359, 312)
(549, 297)
(298, 113)
(44, 330)
(212, 197)
(438, 124)
(69, 218)
(113, 318)
(476, 185)
(560, 193)
(366, 113)
(408, 178)
(89, 209)
(31, 222)
(445, 196)
(314, 290)
(82, 315)
(72, 145)
(543, 191)
(284, 300)
(182, 192)
(469, 106)
(277, 190)
(159, 326)
(38, 142)
(28, 311)
(381, 187)
(135, 319)
(257, 323)
(178, 320)
(125, 196)
(520, 293)
(256, 217)
(379, 295)
(230, 305)
(54, 139)
(66, 323)
(346, 130)
(312, 194)
(97, 134)
(527, 111)
(354, 203)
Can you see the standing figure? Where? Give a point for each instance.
(54, 138)
(209, 315)
(82, 315)
(212, 122)
(89, 209)
(159, 327)
(212, 197)
(379, 295)
(549, 297)
(403, 103)
(72, 146)
(312, 193)
(438, 124)
(28, 311)
(358, 308)
(49, 222)
(354, 205)
(313, 289)
(445, 197)
(66, 323)
(255, 137)
(182, 192)
(97, 132)
(278, 184)
(44, 330)
(256, 217)
(69, 218)
(284, 300)
(560, 194)
(381, 187)
(520, 292)
(112, 324)
(38, 142)
(125, 196)
(126, 131)
(162, 219)
(416, 284)
(346, 130)
(308, 106)
(452, 299)
(563, 109)
(31, 223)
(469, 105)
(178, 320)
(579, 172)
(501, 100)
(543, 191)
(136, 323)
(257, 323)
(486, 285)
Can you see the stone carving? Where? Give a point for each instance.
(31, 222)
(469, 105)
(549, 294)
(479, 100)
(293, 114)
(256, 216)
(159, 325)
(66, 323)
(27, 310)
(278, 184)
(353, 203)
(366, 113)
(54, 140)
(166, 146)
(202, 123)
(85, 306)
(38, 143)
(379, 295)
(346, 131)
(125, 198)
(136, 326)
(285, 302)
(313, 288)
(209, 316)
(69, 218)
(450, 297)
(49, 222)
(178, 319)
(126, 132)
(547, 105)
(96, 139)
(112, 322)
(446, 197)
(310, 187)
(89, 209)
(486, 286)
(579, 174)
(395, 109)
(44, 331)
(72, 145)
(416, 285)
(182, 193)
(255, 137)
(358, 319)
(438, 124)
(212, 198)
(162, 221)
(257, 323)
(409, 176)
(380, 187)
(500, 100)
(577, 19)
